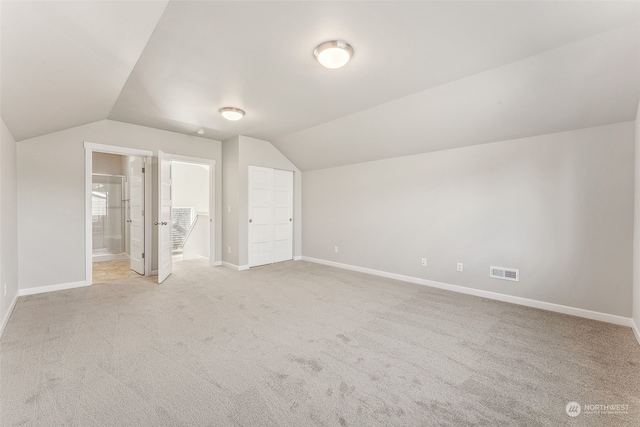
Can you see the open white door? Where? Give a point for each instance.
(136, 204)
(165, 265)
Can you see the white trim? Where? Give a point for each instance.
(153, 273)
(88, 226)
(297, 258)
(52, 288)
(114, 149)
(235, 267)
(573, 311)
(217, 264)
(8, 315)
(636, 330)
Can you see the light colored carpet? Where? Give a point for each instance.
(300, 344)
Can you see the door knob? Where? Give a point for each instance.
(164, 223)
(250, 220)
(290, 219)
(156, 223)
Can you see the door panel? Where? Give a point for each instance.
(282, 215)
(270, 215)
(260, 229)
(165, 266)
(136, 206)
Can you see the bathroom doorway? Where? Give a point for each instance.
(114, 188)
(117, 199)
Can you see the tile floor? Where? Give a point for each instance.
(106, 271)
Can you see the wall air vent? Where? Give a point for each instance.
(504, 273)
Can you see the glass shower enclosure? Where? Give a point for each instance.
(108, 204)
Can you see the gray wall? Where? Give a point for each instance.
(190, 186)
(8, 221)
(51, 194)
(559, 207)
(109, 164)
(230, 164)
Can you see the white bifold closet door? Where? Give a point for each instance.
(270, 215)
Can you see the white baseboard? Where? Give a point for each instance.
(636, 330)
(217, 263)
(153, 273)
(7, 316)
(297, 258)
(588, 314)
(235, 267)
(228, 264)
(52, 288)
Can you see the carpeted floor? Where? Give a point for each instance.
(300, 344)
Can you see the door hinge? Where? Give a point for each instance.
(143, 255)
(142, 212)
(142, 170)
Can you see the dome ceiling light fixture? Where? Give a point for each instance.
(333, 54)
(231, 113)
(200, 131)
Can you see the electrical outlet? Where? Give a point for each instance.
(336, 249)
(229, 209)
(229, 250)
(424, 262)
(5, 289)
(459, 266)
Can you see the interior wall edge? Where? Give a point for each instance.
(543, 305)
(7, 316)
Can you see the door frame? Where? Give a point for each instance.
(292, 213)
(89, 149)
(212, 198)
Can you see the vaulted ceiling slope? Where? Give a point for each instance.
(425, 75)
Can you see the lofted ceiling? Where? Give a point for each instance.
(425, 75)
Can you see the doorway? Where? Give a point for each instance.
(117, 199)
(190, 216)
(117, 207)
(186, 203)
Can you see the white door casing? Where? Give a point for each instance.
(136, 204)
(165, 266)
(270, 215)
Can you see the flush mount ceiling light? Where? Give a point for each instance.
(333, 54)
(231, 113)
(200, 131)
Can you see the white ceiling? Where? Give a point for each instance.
(425, 75)
(64, 64)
